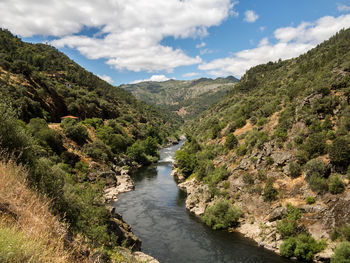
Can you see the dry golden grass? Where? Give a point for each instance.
(25, 211)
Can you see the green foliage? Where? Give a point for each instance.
(315, 145)
(336, 185)
(222, 215)
(269, 160)
(288, 226)
(231, 141)
(144, 152)
(270, 193)
(303, 247)
(342, 233)
(294, 169)
(316, 174)
(98, 151)
(341, 253)
(75, 131)
(310, 200)
(217, 175)
(339, 152)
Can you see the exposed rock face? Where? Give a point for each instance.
(124, 184)
(142, 257)
(198, 196)
(123, 231)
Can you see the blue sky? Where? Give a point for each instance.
(126, 41)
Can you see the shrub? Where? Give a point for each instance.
(222, 215)
(241, 150)
(270, 193)
(339, 152)
(269, 160)
(317, 168)
(294, 169)
(98, 151)
(217, 175)
(186, 162)
(248, 179)
(341, 253)
(336, 185)
(315, 145)
(75, 131)
(304, 247)
(310, 200)
(231, 141)
(317, 184)
(288, 226)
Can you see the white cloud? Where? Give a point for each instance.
(129, 33)
(262, 28)
(190, 74)
(106, 78)
(158, 78)
(250, 16)
(290, 42)
(201, 45)
(343, 8)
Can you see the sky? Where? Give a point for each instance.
(125, 41)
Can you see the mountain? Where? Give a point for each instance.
(276, 150)
(66, 136)
(186, 98)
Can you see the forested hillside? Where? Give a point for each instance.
(68, 160)
(276, 151)
(186, 98)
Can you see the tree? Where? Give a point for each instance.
(339, 152)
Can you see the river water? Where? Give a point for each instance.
(157, 214)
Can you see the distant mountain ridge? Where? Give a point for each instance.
(187, 98)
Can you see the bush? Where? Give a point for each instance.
(222, 215)
(294, 170)
(269, 160)
(341, 253)
(98, 151)
(75, 131)
(336, 185)
(303, 247)
(317, 168)
(339, 152)
(231, 141)
(310, 200)
(270, 193)
(288, 226)
(315, 145)
(217, 175)
(241, 150)
(186, 162)
(318, 184)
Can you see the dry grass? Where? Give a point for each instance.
(24, 212)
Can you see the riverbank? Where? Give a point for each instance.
(259, 220)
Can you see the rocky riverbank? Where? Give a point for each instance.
(260, 218)
(118, 181)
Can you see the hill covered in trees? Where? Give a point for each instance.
(187, 98)
(71, 160)
(276, 150)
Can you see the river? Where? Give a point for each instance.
(157, 214)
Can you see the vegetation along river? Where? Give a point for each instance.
(157, 214)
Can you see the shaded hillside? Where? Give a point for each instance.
(187, 98)
(280, 138)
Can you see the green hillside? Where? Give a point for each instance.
(280, 136)
(71, 161)
(186, 98)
